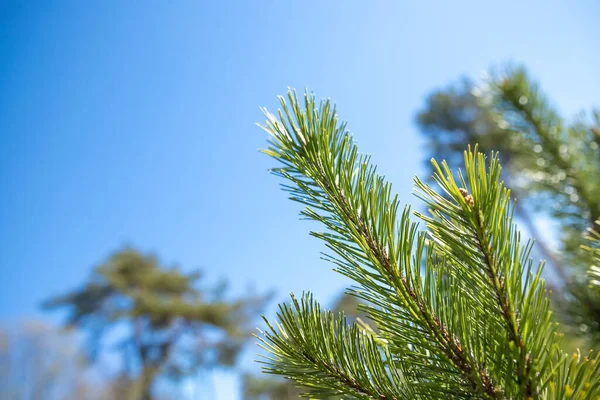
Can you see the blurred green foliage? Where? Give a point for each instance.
(173, 328)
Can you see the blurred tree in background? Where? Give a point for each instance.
(259, 388)
(552, 166)
(169, 326)
(38, 362)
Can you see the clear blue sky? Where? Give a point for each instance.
(133, 123)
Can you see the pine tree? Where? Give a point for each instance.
(551, 165)
(461, 308)
(173, 327)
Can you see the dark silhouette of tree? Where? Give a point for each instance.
(173, 327)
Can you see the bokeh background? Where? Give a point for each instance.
(133, 124)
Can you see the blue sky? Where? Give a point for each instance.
(125, 123)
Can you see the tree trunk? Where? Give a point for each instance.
(146, 381)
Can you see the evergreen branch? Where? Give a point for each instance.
(321, 160)
(503, 298)
(326, 355)
(461, 312)
(509, 315)
(450, 344)
(483, 222)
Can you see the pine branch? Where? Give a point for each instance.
(328, 356)
(310, 145)
(451, 346)
(489, 240)
(461, 311)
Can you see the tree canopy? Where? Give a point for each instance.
(173, 327)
